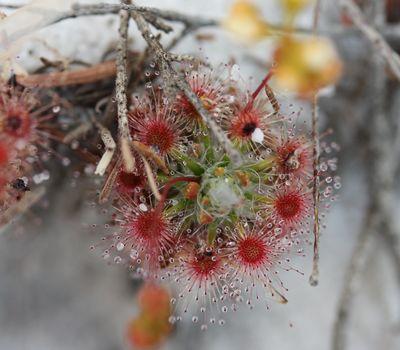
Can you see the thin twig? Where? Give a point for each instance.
(150, 179)
(157, 23)
(380, 173)
(78, 132)
(377, 40)
(121, 93)
(109, 182)
(147, 152)
(316, 227)
(28, 200)
(78, 10)
(351, 280)
(67, 78)
(315, 136)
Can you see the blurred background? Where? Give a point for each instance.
(56, 294)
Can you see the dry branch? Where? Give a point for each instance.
(380, 170)
(377, 40)
(88, 75)
(146, 152)
(315, 136)
(150, 179)
(28, 200)
(121, 84)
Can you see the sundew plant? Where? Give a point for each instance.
(211, 187)
(221, 230)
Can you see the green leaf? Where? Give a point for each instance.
(265, 164)
(191, 164)
(212, 232)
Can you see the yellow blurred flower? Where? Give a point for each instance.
(245, 22)
(294, 6)
(306, 65)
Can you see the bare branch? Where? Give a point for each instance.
(380, 186)
(316, 227)
(109, 182)
(76, 133)
(121, 94)
(80, 76)
(147, 152)
(351, 281)
(157, 23)
(151, 180)
(315, 136)
(172, 16)
(28, 200)
(377, 40)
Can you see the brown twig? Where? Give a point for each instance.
(380, 184)
(28, 200)
(158, 23)
(146, 152)
(109, 182)
(78, 132)
(92, 74)
(377, 40)
(150, 179)
(121, 93)
(315, 136)
(351, 280)
(316, 227)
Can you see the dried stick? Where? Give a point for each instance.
(316, 227)
(92, 74)
(391, 233)
(157, 23)
(27, 201)
(150, 179)
(76, 133)
(109, 181)
(351, 280)
(380, 187)
(178, 81)
(377, 40)
(313, 280)
(146, 151)
(172, 16)
(121, 94)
